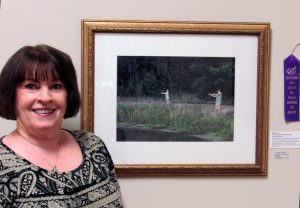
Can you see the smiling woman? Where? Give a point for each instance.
(40, 163)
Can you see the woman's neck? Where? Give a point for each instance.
(47, 139)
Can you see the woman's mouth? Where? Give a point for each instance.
(43, 110)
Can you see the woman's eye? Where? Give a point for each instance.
(57, 86)
(31, 86)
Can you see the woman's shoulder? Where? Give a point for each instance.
(88, 139)
(10, 161)
(91, 144)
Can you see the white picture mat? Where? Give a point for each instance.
(243, 47)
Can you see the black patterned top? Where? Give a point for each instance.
(92, 184)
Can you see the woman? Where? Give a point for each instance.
(167, 96)
(218, 96)
(42, 165)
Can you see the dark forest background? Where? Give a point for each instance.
(147, 76)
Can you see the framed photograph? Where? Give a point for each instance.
(178, 98)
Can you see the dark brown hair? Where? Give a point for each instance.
(41, 62)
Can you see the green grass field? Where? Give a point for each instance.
(196, 119)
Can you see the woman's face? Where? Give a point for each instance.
(40, 105)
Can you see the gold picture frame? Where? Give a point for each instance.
(92, 30)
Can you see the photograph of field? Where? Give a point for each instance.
(175, 99)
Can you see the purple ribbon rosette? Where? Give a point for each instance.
(291, 88)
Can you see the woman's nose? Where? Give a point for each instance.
(45, 94)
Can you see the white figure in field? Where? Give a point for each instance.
(167, 96)
(218, 96)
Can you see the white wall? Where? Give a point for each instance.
(58, 23)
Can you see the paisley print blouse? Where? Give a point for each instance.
(92, 184)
